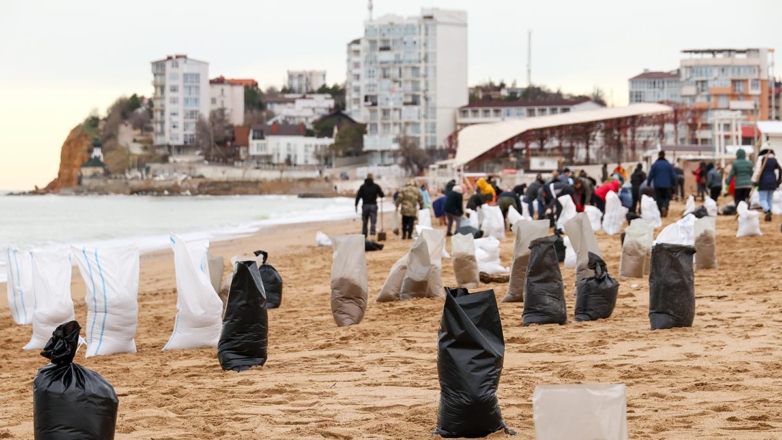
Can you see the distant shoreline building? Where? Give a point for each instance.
(285, 144)
(482, 112)
(656, 87)
(228, 95)
(306, 81)
(300, 109)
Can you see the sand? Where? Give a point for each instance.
(718, 379)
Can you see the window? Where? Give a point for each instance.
(189, 127)
(174, 137)
(431, 127)
(754, 85)
(173, 89)
(190, 139)
(738, 86)
(372, 129)
(175, 125)
(214, 101)
(373, 115)
(554, 110)
(260, 148)
(175, 64)
(415, 128)
(173, 76)
(722, 101)
(565, 110)
(222, 103)
(191, 78)
(174, 114)
(542, 112)
(222, 91)
(486, 113)
(386, 115)
(530, 112)
(173, 100)
(356, 77)
(192, 102)
(191, 114)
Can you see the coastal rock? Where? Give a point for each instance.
(75, 151)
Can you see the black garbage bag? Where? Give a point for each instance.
(244, 338)
(71, 402)
(272, 282)
(728, 210)
(470, 353)
(671, 286)
(630, 216)
(469, 230)
(596, 295)
(544, 291)
(559, 245)
(699, 212)
(370, 246)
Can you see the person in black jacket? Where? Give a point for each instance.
(368, 194)
(636, 180)
(453, 208)
(531, 194)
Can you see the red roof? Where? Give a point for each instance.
(551, 103)
(281, 129)
(234, 82)
(658, 75)
(242, 135)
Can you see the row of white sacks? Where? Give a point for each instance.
(39, 293)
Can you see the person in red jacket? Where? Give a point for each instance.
(602, 191)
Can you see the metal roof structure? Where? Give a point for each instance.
(773, 128)
(476, 140)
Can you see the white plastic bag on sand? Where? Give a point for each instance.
(689, 206)
(754, 200)
(650, 212)
(524, 213)
(526, 233)
(435, 241)
(465, 264)
(415, 283)
(615, 214)
(681, 232)
(471, 219)
(493, 223)
(395, 222)
(583, 239)
(705, 243)
(776, 207)
(322, 240)
(52, 286)
(711, 206)
(487, 253)
(393, 284)
(590, 411)
(570, 254)
(111, 275)
(595, 217)
(199, 309)
(514, 216)
(19, 279)
(636, 249)
(425, 218)
(443, 254)
(348, 280)
(749, 221)
(568, 211)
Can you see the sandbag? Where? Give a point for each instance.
(636, 249)
(470, 355)
(526, 232)
(465, 264)
(681, 232)
(216, 265)
(469, 230)
(705, 243)
(754, 200)
(245, 334)
(588, 411)
(435, 242)
(112, 276)
(322, 240)
(487, 253)
(650, 212)
(749, 221)
(728, 209)
(559, 246)
(615, 214)
(393, 284)
(493, 224)
(596, 295)
(52, 286)
(699, 212)
(583, 239)
(19, 285)
(415, 283)
(348, 280)
(470, 219)
(514, 216)
(425, 218)
(595, 217)
(776, 205)
(526, 215)
(199, 308)
(570, 254)
(671, 286)
(711, 206)
(689, 206)
(272, 281)
(568, 211)
(544, 292)
(71, 402)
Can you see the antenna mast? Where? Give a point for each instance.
(369, 7)
(529, 58)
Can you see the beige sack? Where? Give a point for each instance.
(526, 232)
(348, 280)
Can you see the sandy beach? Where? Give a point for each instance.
(378, 380)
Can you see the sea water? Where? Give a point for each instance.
(47, 221)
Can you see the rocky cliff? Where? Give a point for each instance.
(75, 151)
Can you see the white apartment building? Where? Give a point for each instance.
(306, 81)
(353, 84)
(181, 97)
(285, 144)
(300, 109)
(228, 95)
(482, 112)
(413, 80)
(656, 87)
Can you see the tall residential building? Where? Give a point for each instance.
(656, 87)
(306, 81)
(228, 95)
(413, 80)
(353, 95)
(181, 97)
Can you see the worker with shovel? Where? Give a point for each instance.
(368, 194)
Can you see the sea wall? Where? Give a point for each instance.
(200, 186)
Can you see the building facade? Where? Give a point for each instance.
(284, 144)
(228, 95)
(656, 87)
(482, 112)
(181, 96)
(412, 81)
(306, 81)
(354, 96)
(300, 109)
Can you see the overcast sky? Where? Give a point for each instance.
(60, 59)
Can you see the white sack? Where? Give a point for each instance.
(754, 200)
(650, 212)
(706, 243)
(526, 232)
(570, 254)
(711, 206)
(493, 224)
(465, 264)
(583, 239)
(435, 241)
(349, 280)
(568, 211)
(749, 221)
(415, 283)
(199, 309)
(595, 217)
(526, 215)
(776, 207)
(591, 411)
(636, 249)
(487, 253)
(111, 275)
(689, 206)
(425, 218)
(52, 286)
(615, 214)
(514, 216)
(322, 240)
(681, 232)
(472, 220)
(19, 285)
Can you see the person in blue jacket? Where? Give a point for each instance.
(664, 178)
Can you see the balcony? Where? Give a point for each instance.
(377, 142)
(742, 105)
(689, 91)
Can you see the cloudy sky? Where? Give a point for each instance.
(61, 59)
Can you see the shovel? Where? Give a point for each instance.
(381, 236)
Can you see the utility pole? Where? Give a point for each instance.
(529, 58)
(369, 8)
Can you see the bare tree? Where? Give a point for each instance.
(139, 120)
(255, 116)
(205, 139)
(414, 159)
